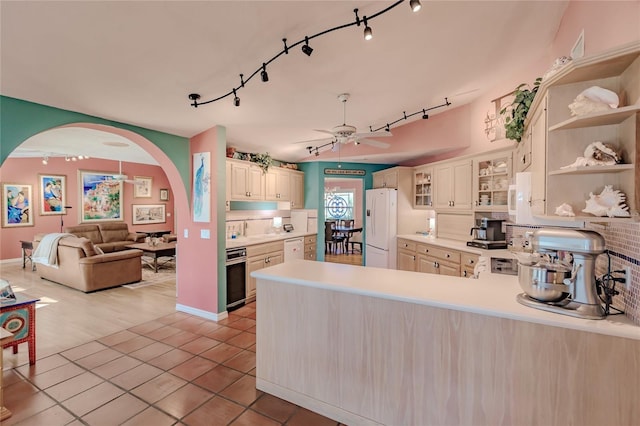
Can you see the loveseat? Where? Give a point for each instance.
(108, 236)
(80, 267)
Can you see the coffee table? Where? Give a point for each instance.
(155, 252)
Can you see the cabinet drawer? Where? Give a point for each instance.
(309, 247)
(406, 245)
(310, 239)
(469, 260)
(311, 255)
(258, 249)
(440, 253)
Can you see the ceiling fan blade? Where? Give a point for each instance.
(314, 140)
(375, 143)
(380, 134)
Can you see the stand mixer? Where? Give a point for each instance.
(566, 285)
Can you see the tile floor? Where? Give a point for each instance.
(177, 369)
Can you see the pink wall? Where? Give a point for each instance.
(200, 269)
(25, 171)
(606, 24)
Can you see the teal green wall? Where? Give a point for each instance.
(19, 120)
(314, 187)
(221, 196)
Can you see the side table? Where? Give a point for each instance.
(27, 251)
(19, 318)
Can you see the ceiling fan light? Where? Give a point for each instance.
(66, 158)
(74, 158)
(415, 5)
(45, 160)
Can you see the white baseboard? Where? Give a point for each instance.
(201, 313)
(18, 260)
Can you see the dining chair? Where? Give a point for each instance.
(331, 239)
(356, 239)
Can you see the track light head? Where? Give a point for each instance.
(194, 97)
(236, 99)
(368, 32)
(263, 73)
(415, 5)
(308, 50)
(45, 160)
(424, 115)
(66, 158)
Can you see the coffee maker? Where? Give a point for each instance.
(488, 234)
(560, 275)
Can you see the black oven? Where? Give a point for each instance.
(236, 265)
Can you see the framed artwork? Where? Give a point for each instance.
(53, 194)
(100, 197)
(164, 194)
(148, 213)
(142, 187)
(201, 187)
(17, 205)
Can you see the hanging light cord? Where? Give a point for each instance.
(195, 98)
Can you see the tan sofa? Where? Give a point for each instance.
(109, 236)
(81, 268)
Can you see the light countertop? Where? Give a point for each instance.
(491, 294)
(457, 245)
(265, 238)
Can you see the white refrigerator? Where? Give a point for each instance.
(381, 226)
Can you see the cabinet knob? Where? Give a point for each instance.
(471, 261)
(464, 274)
(413, 257)
(448, 255)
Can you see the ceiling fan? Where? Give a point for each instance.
(119, 177)
(346, 133)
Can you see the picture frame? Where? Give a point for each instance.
(17, 205)
(143, 214)
(164, 194)
(101, 197)
(142, 186)
(53, 194)
(201, 187)
(6, 292)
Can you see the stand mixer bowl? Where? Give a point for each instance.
(544, 281)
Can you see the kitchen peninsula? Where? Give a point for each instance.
(378, 346)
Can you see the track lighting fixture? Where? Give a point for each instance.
(424, 115)
(308, 50)
(368, 33)
(66, 158)
(236, 99)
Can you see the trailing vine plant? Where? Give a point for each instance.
(516, 112)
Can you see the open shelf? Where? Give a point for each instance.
(615, 116)
(618, 168)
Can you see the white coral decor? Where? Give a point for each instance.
(608, 203)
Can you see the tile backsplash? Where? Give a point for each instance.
(260, 222)
(622, 241)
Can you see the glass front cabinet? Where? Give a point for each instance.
(423, 188)
(492, 176)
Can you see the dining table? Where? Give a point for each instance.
(346, 232)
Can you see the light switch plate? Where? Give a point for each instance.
(205, 234)
(186, 233)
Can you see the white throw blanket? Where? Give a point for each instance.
(47, 251)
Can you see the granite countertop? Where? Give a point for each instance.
(265, 238)
(490, 294)
(457, 245)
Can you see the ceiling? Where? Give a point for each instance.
(136, 62)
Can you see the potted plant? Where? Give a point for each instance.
(516, 112)
(263, 160)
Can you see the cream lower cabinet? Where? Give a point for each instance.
(261, 256)
(468, 263)
(432, 259)
(406, 255)
(310, 247)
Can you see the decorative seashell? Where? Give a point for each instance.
(594, 99)
(597, 154)
(565, 210)
(556, 66)
(608, 203)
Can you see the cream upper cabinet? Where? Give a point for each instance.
(423, 188)
(452, 189)
(247, 181)
(278, 184)
(227, 203)
(491, 179)
(386, 178)
(297, 190)
(567, 136)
